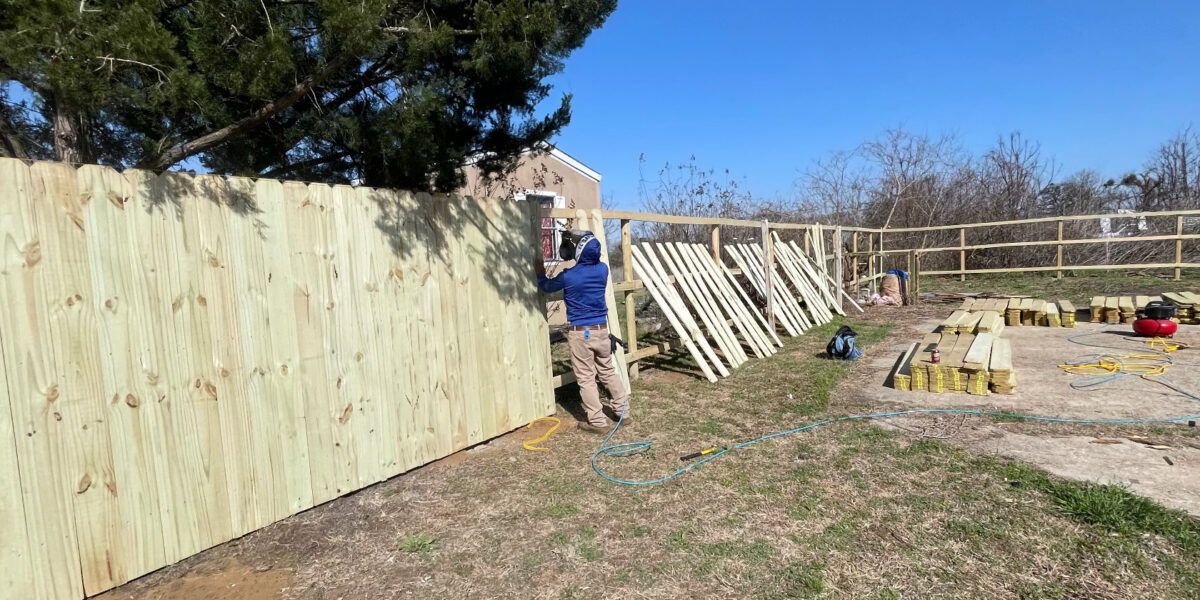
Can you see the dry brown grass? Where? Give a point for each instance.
(850, 511)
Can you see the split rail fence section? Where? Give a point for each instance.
(188, 359)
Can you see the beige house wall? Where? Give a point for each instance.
(542, 172)
(550, 173)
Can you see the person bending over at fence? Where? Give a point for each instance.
(583, 288)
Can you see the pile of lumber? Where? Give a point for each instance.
(990, 322)
(1066, 313)
(1105, 309)
(1126, 309)
(1000, 367)
(1042, 313)
(1188, 304)
(981, 304)
(961, 321)
(966, 365)
(1012, 313)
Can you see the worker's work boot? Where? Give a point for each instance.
(588, 427)
(616, 416)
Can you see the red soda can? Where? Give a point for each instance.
(935, 357)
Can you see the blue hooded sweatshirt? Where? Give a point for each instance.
(584, 286)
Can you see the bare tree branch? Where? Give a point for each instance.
(192, 147)
(304, 164)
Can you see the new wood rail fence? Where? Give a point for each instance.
(872, 251)
(829, 250)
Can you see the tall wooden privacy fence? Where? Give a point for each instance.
(187, 359)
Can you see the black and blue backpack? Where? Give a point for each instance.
(841, 346)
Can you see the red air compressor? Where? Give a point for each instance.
(1156, 321)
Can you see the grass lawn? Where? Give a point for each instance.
(848, 511)
(1078, 287)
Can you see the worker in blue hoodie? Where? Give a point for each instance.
(583, 288)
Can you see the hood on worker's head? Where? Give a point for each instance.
(587, 252)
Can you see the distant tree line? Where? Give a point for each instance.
(905, 179)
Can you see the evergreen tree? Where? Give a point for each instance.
(396, 93)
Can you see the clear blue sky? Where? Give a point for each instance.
(763, 88)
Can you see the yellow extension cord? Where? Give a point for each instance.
(1117, 364)
(1168, 346)
(533, 444)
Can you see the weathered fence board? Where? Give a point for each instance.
(188, 359)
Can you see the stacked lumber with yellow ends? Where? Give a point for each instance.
(920, 362)
(1126, 309)
(1112, 311)
(1039, 313)
(975, 364)
(969, 363)
(1052, 317)
(990, 321)
(972, 322)
(982, 304)
(1097, 306)
(902, 377)
(1027, 317)
(956, 320)
(1188, 304)
(1066, 312)
(1000, 367)
(1012, 313)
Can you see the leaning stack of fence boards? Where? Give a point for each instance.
(707, 307)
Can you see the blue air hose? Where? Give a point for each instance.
(627, 448)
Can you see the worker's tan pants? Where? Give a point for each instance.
(592, 356)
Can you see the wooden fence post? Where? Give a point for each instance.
(838, 269)
(1060, 249)
(871, 260)
(1178, 245)
(915, 292)
(854, 260)
(630, 304)
(962, 254)
(881, 257)
(716, 243)
(768, 263)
